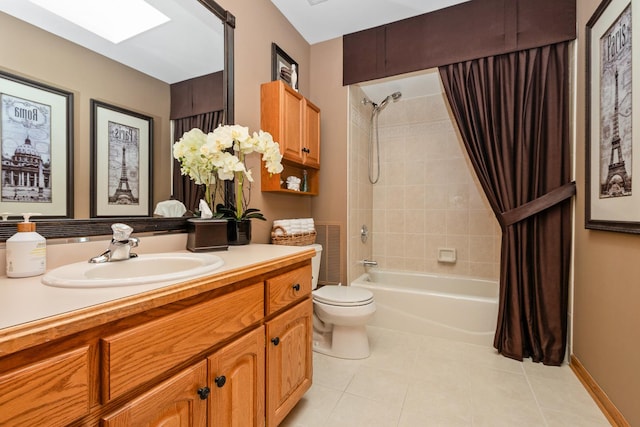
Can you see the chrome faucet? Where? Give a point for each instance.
(120, 246)
(368, 263)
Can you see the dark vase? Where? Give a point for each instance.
(239, 232)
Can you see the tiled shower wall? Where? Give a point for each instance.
(427, 196)
(360, 192)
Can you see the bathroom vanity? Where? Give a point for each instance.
(233, 345)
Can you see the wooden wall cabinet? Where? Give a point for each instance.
(294, 122)
(208, 359)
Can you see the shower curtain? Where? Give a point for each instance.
(513, 113)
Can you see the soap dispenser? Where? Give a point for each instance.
(26, 251)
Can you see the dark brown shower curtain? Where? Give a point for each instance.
(513, 115)
(183, 187)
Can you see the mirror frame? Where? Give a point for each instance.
(78, 228)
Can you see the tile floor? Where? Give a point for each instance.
(413, 381)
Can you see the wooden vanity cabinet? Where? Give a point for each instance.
(207, 359)
(294, 122)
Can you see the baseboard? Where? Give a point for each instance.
(599, 396)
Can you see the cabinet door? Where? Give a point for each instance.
(292, 122)
(176, 402)
(52, 392)
(236, 379)
(289, 363)
(311, 140)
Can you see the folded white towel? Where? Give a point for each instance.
(293, 226)
(170, 208)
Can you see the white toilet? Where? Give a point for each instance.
(340, 315)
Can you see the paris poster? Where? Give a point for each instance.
(121, 153)
(124, 164)
(612, 95)
(615, 109)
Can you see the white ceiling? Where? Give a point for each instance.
(190, 45)
(162, 54)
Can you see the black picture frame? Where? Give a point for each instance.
(611, 147)
(121, 162)
(38, 118)
(281, 66)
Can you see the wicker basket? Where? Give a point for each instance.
(301, 239)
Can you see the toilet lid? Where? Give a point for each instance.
(343, 295)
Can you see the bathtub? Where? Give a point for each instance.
(457, 308)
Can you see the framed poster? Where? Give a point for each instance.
(612, 152)
(283, 67)
(121, 157)
(36, 141)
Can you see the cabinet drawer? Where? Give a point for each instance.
(137, 355)
(53, 392)
(287, 288)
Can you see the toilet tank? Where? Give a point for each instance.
(315, 265)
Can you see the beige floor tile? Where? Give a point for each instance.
(439, 400)
(566, 395)
(564, 419)
(332, 372)
(379, 385)
(356, 411)
(314, 408)
(415, 381)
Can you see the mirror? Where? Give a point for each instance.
(152, 78)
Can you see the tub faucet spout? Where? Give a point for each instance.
(369, 263)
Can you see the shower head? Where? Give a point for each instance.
(395, 96)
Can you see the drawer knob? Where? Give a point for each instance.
(220, 381)
(203, 392)
(296, 287)
(275, 341)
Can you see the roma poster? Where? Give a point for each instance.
(26, 150)
(615, 167)
(124, 164)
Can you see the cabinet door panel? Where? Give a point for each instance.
(175, 402)
(311, 135)
(236, 379)
(289, 360)
(292, 126)
(52, 392)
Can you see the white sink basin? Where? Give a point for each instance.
(147, 268)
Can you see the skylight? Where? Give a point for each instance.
(114, 20)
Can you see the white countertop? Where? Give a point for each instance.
(27, 299)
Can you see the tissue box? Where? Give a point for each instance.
(207, 235)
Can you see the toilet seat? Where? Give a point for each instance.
(343, 296)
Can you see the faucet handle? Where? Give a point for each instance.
(121, 231)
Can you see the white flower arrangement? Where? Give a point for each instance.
(219, 156)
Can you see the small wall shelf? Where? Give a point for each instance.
(294, 122)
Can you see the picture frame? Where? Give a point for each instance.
(36, 142)
(612, 131)
(282, 65)
(121, 162)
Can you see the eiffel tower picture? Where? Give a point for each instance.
(618, 182)
(123, 194)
